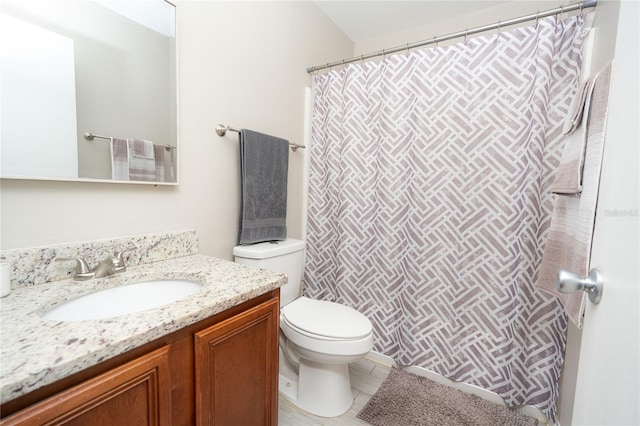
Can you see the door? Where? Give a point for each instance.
(607, 387)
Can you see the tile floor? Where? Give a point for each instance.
(366, 378)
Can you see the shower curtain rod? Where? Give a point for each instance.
(498, 25)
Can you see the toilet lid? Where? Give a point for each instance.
(326, 319)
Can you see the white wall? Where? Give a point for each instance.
(489, 15)
(240, 63)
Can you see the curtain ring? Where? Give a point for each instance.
(407, 48)
(581, 3)
(362, 58)
(384, 54)
(561, 11)
(537, 18)
(434, 42)
(466, 32)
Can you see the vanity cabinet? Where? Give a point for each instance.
(237, 369)
(220, 371)
(137, 392)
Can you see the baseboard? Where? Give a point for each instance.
(527, 410)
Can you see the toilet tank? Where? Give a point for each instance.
(286, 257)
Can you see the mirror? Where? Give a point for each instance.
(88, 90)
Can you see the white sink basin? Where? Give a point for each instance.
(122, 300)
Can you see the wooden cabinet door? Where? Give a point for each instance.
(136, 393)
(237, 369)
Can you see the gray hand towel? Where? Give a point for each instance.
(264, 162)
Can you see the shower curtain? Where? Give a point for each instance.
(429, 203)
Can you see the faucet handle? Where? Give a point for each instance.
(118, 260)
(83, 272)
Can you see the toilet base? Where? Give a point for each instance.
(321, 389)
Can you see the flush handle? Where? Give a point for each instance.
(569, 282)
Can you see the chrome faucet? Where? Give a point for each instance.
(107, 267)
(104, 268)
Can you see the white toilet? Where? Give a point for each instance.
(317, 338)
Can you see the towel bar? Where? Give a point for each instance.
(90, 136)
(222, 130)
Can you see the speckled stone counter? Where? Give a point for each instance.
(37, 352)
(37, 265)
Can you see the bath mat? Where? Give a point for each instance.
(405, 399)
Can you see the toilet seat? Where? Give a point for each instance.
(324, 320)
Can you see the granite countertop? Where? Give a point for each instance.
(36, 352)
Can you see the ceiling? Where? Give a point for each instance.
(361, 20)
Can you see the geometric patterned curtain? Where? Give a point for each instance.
(429, 203)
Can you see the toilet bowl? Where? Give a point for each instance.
(323, 338)
(318, 338)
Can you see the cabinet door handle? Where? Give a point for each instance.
(569, 282)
